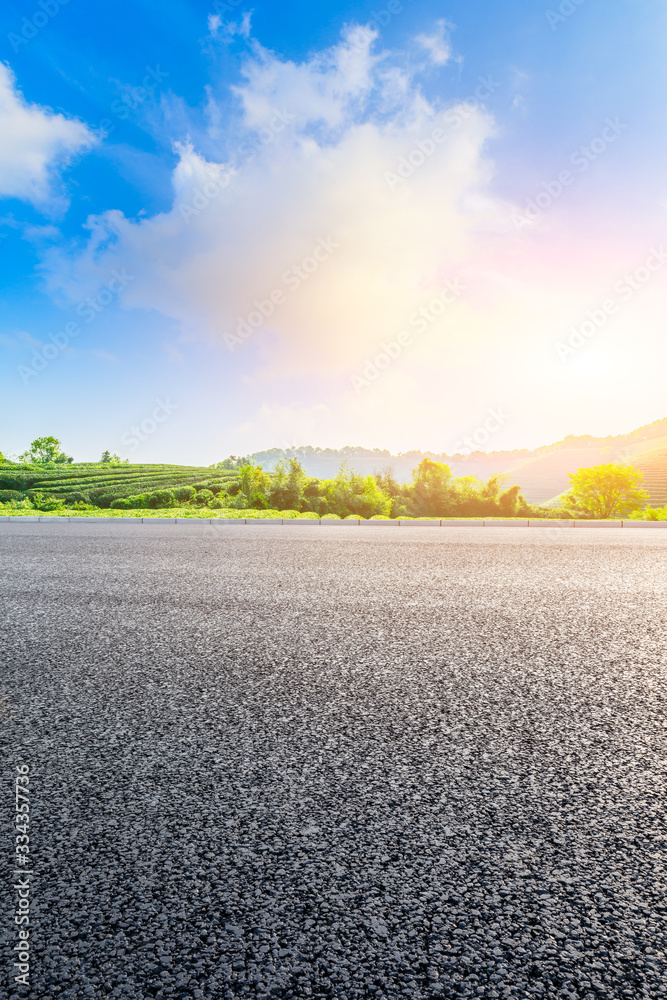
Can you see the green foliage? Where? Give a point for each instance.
(109, 459)
(255, 485)
(44, 451)
(650, 514)
(161, 498)
(289, 484)
(431, 491)
(233, 462)
(350, 494)
(75, 497)
(606, 491)
(45, 503)
(185, 494)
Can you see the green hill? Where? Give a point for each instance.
(103, 484)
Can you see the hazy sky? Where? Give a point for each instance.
(389, 224)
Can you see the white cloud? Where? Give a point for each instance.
(244, 27)
(214, 24)
(437, 44)
(322, 148)
(230, 28)
(35, 143)
(342, 148)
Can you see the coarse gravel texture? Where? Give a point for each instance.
(320, 763)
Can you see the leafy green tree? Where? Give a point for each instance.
(233, 462)
(510, 502)
(605, 491)
(350, 494)
(255, 483)
(288, 485)
(44, 451)
(109, 459)
(431, 488)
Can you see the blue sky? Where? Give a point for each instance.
(114, 117)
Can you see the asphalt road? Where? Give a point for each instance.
(301, 762)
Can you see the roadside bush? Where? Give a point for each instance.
(7, 495)
(45, 503)
(73, 498)
(650, 514)
(204, 498)
(161, 498)
(184, 494)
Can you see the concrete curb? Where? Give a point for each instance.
(542, 523)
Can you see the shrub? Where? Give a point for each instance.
(76, 497)
(204, 497)
(7, 495)
(45, 503)
(122, 504)
(184, 494)
(161, 498)
(330, 517)
(650, 514)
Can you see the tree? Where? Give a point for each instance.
(255, 483)
(233, 462)
(109, 459)
(44, 451)
(605, 491)
(510, 501)
(349, 493)
(431, 488)
(288, 486)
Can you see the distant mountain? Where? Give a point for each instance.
(541, 473)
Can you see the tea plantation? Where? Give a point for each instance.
(102, 485)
